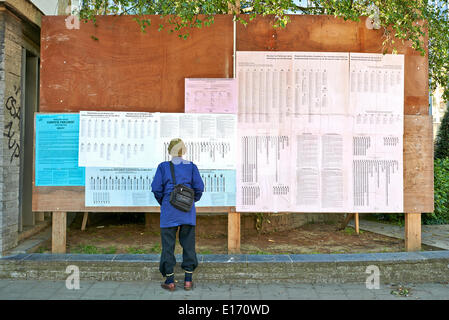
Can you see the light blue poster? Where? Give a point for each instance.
(56, 162)
(130, 187)
(119, 187)
(219, 188)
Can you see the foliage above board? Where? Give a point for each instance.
(403, 20)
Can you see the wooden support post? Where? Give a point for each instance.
(85, 217)
(39, 216)
(356, 222)
(147, 221)
(412, 231)
(233, 232)
(58, 232)
(346, 221)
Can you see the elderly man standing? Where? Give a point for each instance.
(172, 219)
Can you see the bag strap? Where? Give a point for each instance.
(172, 170)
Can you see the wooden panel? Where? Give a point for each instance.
(329, 34)
(125, 69)
(59, 232)
(412, 231)
(418, 164)
(234, 232)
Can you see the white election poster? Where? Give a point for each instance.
(263, 168)
(377, 173)
(210, 139)
(275, 85)
(377, 93)
(321, 151)
(377, 105)
(118, 139)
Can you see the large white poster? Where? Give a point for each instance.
(141, 139)
(377, 105)
(276, 85)
(263, 172)
(377, 173)
(119, 139)
(377, 93)
(320, 132)
(320, 153)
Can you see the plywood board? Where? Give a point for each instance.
(418, 164)
(125, 69)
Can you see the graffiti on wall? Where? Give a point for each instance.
(12, 106)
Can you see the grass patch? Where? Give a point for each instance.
(156, 248)
(350, 231)
(262, 252)
(134, 250)
(86, 249)
(109, 250)
(90, 249)
(42, 250)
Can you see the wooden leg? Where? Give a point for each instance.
(39, 216)
(233, 232)
(356, 222)
(85, 217)
(346, 221)
(412, 231)
(59, 232)
(147, 221)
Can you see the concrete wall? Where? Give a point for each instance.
(17, 31)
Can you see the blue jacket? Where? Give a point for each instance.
(186, 173)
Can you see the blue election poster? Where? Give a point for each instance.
(56, 162)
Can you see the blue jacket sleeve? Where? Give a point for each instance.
(197, 183)
(157, 186)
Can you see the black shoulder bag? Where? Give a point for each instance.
(182, 197)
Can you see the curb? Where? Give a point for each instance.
(405, 267)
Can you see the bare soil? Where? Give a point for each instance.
(115, 237)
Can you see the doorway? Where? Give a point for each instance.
(30, 105)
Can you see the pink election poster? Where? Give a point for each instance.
(211, 95)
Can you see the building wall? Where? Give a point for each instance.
(17, 31)
(2, 99)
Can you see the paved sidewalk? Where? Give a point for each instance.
(432, 235)
(110, 290)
